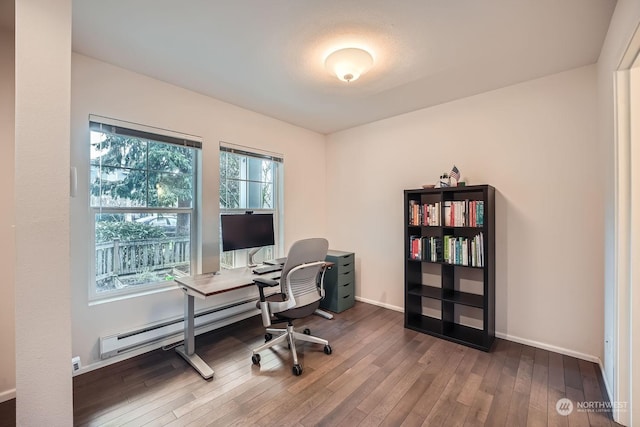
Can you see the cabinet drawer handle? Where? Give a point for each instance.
(346, 296)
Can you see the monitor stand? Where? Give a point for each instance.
(252, 253)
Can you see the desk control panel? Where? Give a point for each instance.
(339, 282)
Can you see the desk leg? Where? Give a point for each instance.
(188, 349)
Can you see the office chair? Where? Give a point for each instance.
(301, 289)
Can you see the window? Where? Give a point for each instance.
(142, 201)
(250, 180)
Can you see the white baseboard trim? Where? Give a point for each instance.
(7, 395)
(381, 304)
(555, 349)
(604, 380)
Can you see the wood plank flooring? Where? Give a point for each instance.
(8, 413)
(379, 374)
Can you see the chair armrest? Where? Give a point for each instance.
(263, 281)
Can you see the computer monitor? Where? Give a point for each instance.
(247, 231)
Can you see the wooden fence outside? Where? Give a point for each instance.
(117, 258)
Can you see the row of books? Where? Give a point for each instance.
(464, 213)
(425, 214)
(455, 213)
(448, 249)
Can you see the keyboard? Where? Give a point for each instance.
(267, 269)
(277, 261)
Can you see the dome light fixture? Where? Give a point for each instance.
(349, 64)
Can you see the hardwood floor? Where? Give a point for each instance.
(8, 413)
(379, 374)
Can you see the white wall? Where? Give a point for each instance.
(106, 90)
(633, 300)
(42, 291)
(624, 22)
(7, 248)
(536, 144)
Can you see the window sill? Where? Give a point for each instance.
(98, 300)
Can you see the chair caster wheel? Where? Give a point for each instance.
(297, 370)
(268, 337)
(327, 349)
(255, 359)
(307, 331)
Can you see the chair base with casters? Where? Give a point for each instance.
(290, 336)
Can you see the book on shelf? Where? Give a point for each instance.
(480, 213)
(414, 249)
(447, 214)
(413, 220)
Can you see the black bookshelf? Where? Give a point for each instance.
(450, 263)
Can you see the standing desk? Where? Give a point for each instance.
(203, 286)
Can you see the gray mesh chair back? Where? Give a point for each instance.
(299, 282)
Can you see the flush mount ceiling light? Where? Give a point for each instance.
(349, 64)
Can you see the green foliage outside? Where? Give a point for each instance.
(154, 174)
(229, 185)
(133, 172)
(107, 231)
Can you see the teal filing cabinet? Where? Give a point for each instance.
(339, 282)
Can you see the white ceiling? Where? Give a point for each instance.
(267, 56)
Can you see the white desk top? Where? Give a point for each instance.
(207, 284)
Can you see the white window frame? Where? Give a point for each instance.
(277, 203)
(158, 135)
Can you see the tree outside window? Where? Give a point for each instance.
(142, 198)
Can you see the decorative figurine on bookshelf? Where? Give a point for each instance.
(443, 181)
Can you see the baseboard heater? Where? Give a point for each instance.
(173, 330)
